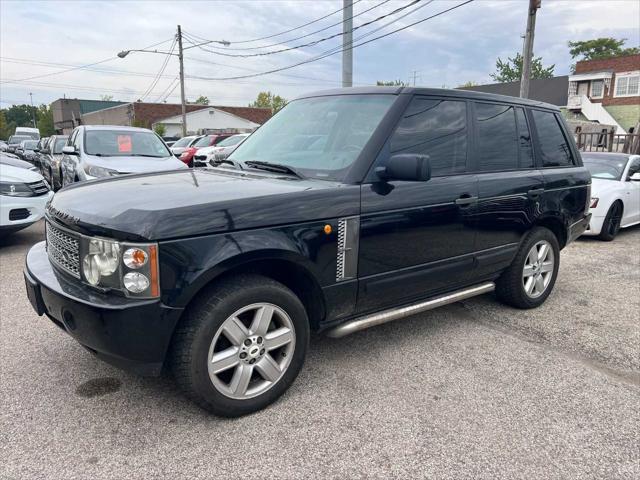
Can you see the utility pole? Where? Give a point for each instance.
(33, 113)
(415, 74)
(347, 41)
(527, 53)
(182, 99)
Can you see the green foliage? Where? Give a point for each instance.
(470, 83)
(6, 128)
(160, 129)
(45, 121)
(106, 98)
(21, 115)
(139, 123)
(511, 70)
(202, 100)
(268, 100)
(598, 48)
(391, 83)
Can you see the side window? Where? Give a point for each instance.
(72, 138)
(524, 140)
(497, 137)
(437, 128)
(76, 140)
(554, 149)
(634, 167)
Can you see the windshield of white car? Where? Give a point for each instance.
(183, 142)
(124, 143)
(319, 137)
(17, 139)
(60, 143)
(603, 168)
(231, 141)
(30, 144)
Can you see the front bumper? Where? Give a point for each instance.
(34, 205)
(131, 334)
(578, 228)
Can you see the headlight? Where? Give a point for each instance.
(95, 171)
(134, 272)
(15, 189)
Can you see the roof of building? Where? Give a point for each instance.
(553, 90)
(255, 115)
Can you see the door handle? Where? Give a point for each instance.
(465, 200)
(536, 192)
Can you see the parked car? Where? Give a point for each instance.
(216, 155)
(348, 209)
(50, 160)
(14, 142)
(615, 192)
(26, 150)
(204, 141)
(32, 133)
(3, 146)
(182, 144)
(37, 160)
(8, 159)
(106, 151)
(23, 196)
(170, 140)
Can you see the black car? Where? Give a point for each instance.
(50, 158)
(347, 209)
(14, 142)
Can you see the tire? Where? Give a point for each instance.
(514, 287)
(207, 330)
(611, 224)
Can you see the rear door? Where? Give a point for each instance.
(509, 183)
(415, 237)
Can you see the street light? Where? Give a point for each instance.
(124, 53)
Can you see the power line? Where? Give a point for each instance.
(309, 44)
(286, 31)
(302, 36)
(160, 72)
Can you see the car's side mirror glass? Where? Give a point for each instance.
(405, 166)
(635, 177)
(69, 150)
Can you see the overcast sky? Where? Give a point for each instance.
(40, 38)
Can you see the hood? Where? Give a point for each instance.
(127, 164)
(192, 202)
(9, 173)
(601, 187)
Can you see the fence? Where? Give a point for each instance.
(608, 142)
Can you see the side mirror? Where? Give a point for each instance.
(635, 177)
(406, 166)
(69, 150)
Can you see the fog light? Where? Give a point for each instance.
(136, 282)
(135, 258)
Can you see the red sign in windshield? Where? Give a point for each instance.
(124, 143)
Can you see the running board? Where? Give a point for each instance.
(398, 313)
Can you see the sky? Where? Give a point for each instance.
(40, 38)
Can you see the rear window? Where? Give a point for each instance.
(554, 148)
(437, 128)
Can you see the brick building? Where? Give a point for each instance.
(606, 91)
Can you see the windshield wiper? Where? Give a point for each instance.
(273, 167)
(144, 155)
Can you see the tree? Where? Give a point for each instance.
(468, 84)
(202, 100)
(6, 128)
(511, 70)
(21, 115)
(45, 121)
(603, 47)
(106, 98)
(268, 100)
(391, 83)
(160, 129)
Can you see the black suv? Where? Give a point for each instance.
(347, 209)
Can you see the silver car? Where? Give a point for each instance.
(96, 151)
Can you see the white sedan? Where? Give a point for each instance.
(23, 197)
(615, 192)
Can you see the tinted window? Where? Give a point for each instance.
(497, 137)
(554, 148)
(437, 128)
(634, 167)
(524, 140)
(60, 143)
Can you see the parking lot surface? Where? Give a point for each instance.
(472, 390)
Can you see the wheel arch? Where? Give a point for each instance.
(557, 227)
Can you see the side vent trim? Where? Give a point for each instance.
(348, 241)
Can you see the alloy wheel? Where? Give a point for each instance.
(538, 269)
(251, 351)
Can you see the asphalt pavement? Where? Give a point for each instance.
(472, 390)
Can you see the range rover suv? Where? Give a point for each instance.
(347, 209)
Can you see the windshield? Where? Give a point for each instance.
(203, 142)
(17, 139)
(30, 145)
(228, 142)
(606, 169)
(183, 142)
(60, 143)
(122, 143)
(318, 137)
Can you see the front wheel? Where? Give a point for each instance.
(611, 224)
(531, 276)
(240, 346)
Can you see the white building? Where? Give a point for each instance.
(207, 120)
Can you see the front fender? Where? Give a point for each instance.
(188, 265)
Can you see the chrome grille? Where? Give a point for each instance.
(63, 249)
(39, 188)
